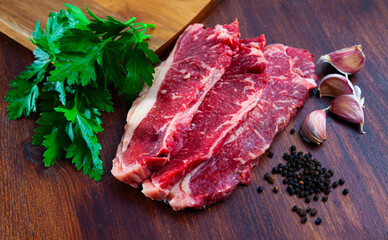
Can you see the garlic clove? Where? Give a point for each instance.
(314, 127)
(347, 60)
(349, 108)
(334, 85)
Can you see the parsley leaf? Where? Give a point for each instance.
(114, 70)
(24, 89)
(58, 87)
(54, 149)
(138, 63)
(78, 68)
(98, 98)
(76, 61)
(77, 40)
(48, 121)
(57, 25)
(83, 126)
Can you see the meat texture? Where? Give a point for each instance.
(160, 117)
(224, 106)
(292, 75)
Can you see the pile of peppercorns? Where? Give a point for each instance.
(304, 177)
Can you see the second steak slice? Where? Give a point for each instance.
(224, 106)
(159, 118)
(292, 75)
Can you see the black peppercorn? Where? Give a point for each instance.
(316, 198)
(308, 209)
(307, 199)
(260, 189)
(271, 180)
(298, 211)
(293, 148)
(294, 208)
(335, 184)
(318, 221)
(324, 198)
(266, 176)
(304, 219)
(313, 212)
(303, 213)
(292, 131)
(274, 170)
(341, 181)
(346, 191)
(270, 154)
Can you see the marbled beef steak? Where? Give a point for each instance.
(160, 117)
(215, 106)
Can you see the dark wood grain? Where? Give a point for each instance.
(61, 203)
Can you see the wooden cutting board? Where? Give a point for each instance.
(18, 17)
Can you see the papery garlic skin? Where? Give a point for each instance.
(334, 85)
(349, 108)
(357, 93)
(314, 127)
(347, 60)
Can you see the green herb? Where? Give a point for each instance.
(76, 60)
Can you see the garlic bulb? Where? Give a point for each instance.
(314, 127)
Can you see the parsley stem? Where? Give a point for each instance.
(146, 36)
(138, 28)
(149, 25)
(131, 20)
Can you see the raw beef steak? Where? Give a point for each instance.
(292, 76)
(224, 106)
(159, 118)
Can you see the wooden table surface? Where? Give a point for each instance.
(61, 203)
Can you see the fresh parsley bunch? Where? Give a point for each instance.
(76, 60)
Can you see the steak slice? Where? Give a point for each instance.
(224, 106)
(215, 179)
(159, 118)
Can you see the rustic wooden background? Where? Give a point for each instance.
(61, 203)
